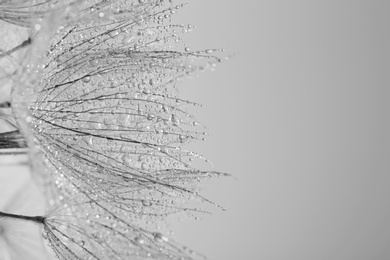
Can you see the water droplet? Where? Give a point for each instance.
(114, 33)
(165, 108)
(152, 82)
(163, 149)
(126, 40)
(139, 240)
(126, 159)
(175, 121)
(160, 237)
(86, 79)
(143, 166)
(146, 203)
(37, 27)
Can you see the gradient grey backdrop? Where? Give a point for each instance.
(300, 117)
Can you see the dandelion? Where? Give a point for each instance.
(20, 239)
(15, 241)
(86, 229)
(83, 228)
(110, 109)
(97, 103)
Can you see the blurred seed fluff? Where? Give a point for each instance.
(96, 99)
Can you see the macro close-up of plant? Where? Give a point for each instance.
(90, 91)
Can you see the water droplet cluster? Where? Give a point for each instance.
(107, 118)
(108, 113)
(89, 229)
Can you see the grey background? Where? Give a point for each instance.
(300, 118)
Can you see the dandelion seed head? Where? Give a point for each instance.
(119, 117)
(98, 101)
(72, 232)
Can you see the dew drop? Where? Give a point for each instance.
(86, 79)
(146, 203)
(175, 121)
(163, 149)
(127, 40)
(113, 33)
(126, 159)
(139, 240)
(160, 237)
(143, 166)
(165, 108)
(152, 82)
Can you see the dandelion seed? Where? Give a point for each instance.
(19, 237)
(106, 126)
(66, 102)
(16, 242)
(74, 235)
